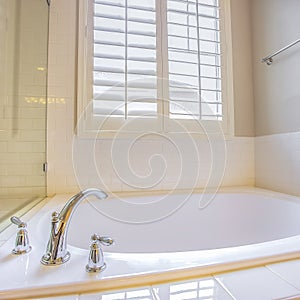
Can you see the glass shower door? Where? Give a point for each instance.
(23, 104)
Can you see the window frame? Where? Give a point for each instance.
(88, 124)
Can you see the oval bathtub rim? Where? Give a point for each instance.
(149, 278)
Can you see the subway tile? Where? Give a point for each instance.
(19, 146)
(276, 162)
(32, 135)
(19, 169)
(34, 180)
(108, 163)
(31, 157)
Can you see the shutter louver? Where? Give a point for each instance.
(194, 59)
(125, 71)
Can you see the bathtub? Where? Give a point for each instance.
(158, 238)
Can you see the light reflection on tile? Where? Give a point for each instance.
(205, 288)
(134, 294)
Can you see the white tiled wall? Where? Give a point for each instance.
(106, 165)
(22, 97)
(61, 93)
(277, 162)
(149, 164)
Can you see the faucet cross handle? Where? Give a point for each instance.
(96, 259)
(104, 240)
(22, 245)
(15, 220)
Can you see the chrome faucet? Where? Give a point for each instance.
(56, 251)
(96, 259)
(22, 245)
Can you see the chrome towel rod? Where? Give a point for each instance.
(269, 59)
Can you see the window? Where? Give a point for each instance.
(125, 76)
(158, 62)
(194, 58)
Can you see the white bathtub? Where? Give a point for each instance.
(182, 224)
(157, 238)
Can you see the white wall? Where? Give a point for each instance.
(242, 67)
(61, 122)
(276, 24)
(278, 162)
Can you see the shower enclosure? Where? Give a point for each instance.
(23, 104)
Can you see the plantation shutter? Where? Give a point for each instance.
(124, 66)
(194, 59)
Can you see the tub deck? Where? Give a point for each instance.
(126, 270)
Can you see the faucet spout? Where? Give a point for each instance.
(56, 251)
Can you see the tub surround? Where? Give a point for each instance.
(238, 171)
(128, 270)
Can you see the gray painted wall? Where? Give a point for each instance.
(275, 24)
(242, 67)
